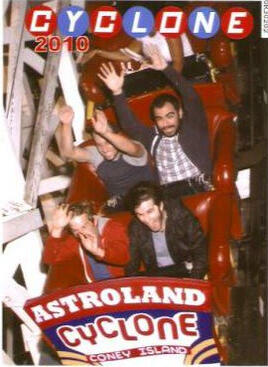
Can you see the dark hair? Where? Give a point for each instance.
(144, 190)
(82, 207)
(160, 100)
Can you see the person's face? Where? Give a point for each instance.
(107, 150)
(167, 119)
(81, 225)
(151, 215)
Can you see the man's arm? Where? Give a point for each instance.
(60, 245)
(128, 121)
(115, 242)
(191, 100)
(66, 146)
(176, 51)
(198, 245)
(121, 142)
(110, 246)
(117, 55)
(60, 249)
(133, 267)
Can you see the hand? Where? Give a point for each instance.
(100, 123)
(111, 79)
(90, 241)
(66, 115)
(157, 60)
(60, 219)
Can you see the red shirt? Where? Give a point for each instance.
(68, 261)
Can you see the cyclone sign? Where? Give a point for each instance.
(129, 322)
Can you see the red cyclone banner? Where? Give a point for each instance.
(129, 322)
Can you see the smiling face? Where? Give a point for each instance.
(167, 119)
(107, 150)
(151, 215)
(81, 225)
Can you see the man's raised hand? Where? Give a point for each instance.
(90, 241)
(110, 77)
(157, 61)
(99, 122)
(60, 219)
(66, 115)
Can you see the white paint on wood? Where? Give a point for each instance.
(6, 359)
(31, 342)
(53, 4)
(71, 93)
(20, 225)
(27, 120)
(8, 35)
(25, 251)
(17, 32)
(5, 6)
(26, 139)
(43, 130)
(12, 180)
(53, 184)
(28, 107)
(80, 3)
(15, 296)
(34, 60)
(15, 73)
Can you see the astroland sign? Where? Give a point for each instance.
(129, 322)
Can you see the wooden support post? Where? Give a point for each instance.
(5, 5)
(15, 73)
(42, 130)
(27, 120)
(6, 359)
(25, 250)
(22, 224)
(43, 133)
(34, 60)
(71, 93)
(80, 3)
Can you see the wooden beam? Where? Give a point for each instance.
(8, 35)
(27, 120)
(5, 5)
(43, 133)
(28, 107)
(55, 159)
(43, 130)
(20, 225)
(6, 359)
(80, 3)
(15, 73)
(34, 60)
(55, 183)
(26, 252)
(71, 93)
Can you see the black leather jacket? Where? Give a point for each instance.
(185, 241)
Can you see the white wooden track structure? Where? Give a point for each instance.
(24, 126)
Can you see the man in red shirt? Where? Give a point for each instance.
(83, 247)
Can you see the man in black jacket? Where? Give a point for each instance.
(164, 236)
(179, 141)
